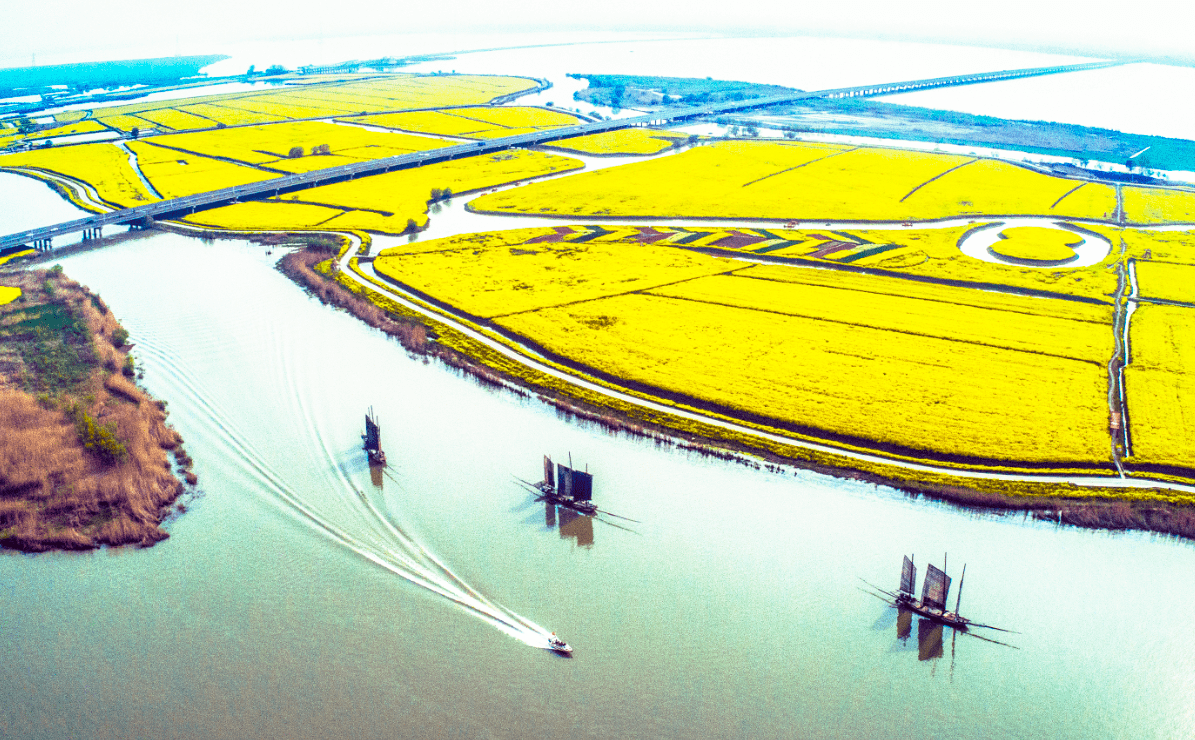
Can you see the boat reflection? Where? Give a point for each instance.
(573, 525)
(929, 639)
(375, 476)
(904, 624)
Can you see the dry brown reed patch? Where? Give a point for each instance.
(54, 492)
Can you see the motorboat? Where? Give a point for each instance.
(558, 645)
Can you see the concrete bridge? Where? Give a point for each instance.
(92, 226)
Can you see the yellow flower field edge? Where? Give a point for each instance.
(1152, 509)
(809, 181)
(623, 141)
(497, 281)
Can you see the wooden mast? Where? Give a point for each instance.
(959, 596)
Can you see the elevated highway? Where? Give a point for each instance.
(92, 226)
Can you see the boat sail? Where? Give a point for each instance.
(934, 593)
(936, 588)
(372, 439)
(908, 579)
(567, 486)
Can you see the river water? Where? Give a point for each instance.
(296, 598)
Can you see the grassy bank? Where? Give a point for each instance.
(1151, 509)
(83, 450)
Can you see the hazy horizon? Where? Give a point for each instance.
(65, 32)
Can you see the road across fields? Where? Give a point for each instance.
(91, 226)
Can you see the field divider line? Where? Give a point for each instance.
(532, 360)
(935, 177)
(877, 328)
(808, 263)
(1068, 193)
(746, 276)
(612, 295)
(803, 164)
(226, 160)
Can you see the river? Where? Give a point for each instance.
(295, 598)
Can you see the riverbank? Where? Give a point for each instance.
(83, 449)
(1093, 505)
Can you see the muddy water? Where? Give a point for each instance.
(296, 598)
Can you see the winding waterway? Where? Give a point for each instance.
(297, 599)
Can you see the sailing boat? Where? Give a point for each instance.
(567, 487)
(372, 440)
(934, 592)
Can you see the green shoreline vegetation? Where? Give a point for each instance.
(83, 450)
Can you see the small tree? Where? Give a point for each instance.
(135, 132)
(412, 227)
(321, 149)
(437, 194)
(295, 152)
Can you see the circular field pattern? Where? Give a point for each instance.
(1035, 243)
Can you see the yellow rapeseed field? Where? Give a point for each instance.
(14, 255)
(70, 129)
(1037, 243)
(1160, 385)
(103, 165)
(227, 116)
(271, 143)
(124, 123)
(426, 121)
(1165, 246)
(928, 252)
(925, 396)
(988, 186)
(8, 294)
(176, 120)
(776, 180)
(70, 116)
(517, 116)
(286, 109)
(1090, 340)
(1158, 205)
(325, 99)
(384, 203)
(1162, 338)
(623, 141)
(1161, 416)
(489, 275)
(265, 215)
(175, 174)
(880, 361)
(1166, 281)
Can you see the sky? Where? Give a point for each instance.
(58, 31)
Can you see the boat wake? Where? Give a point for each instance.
(329, 502)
